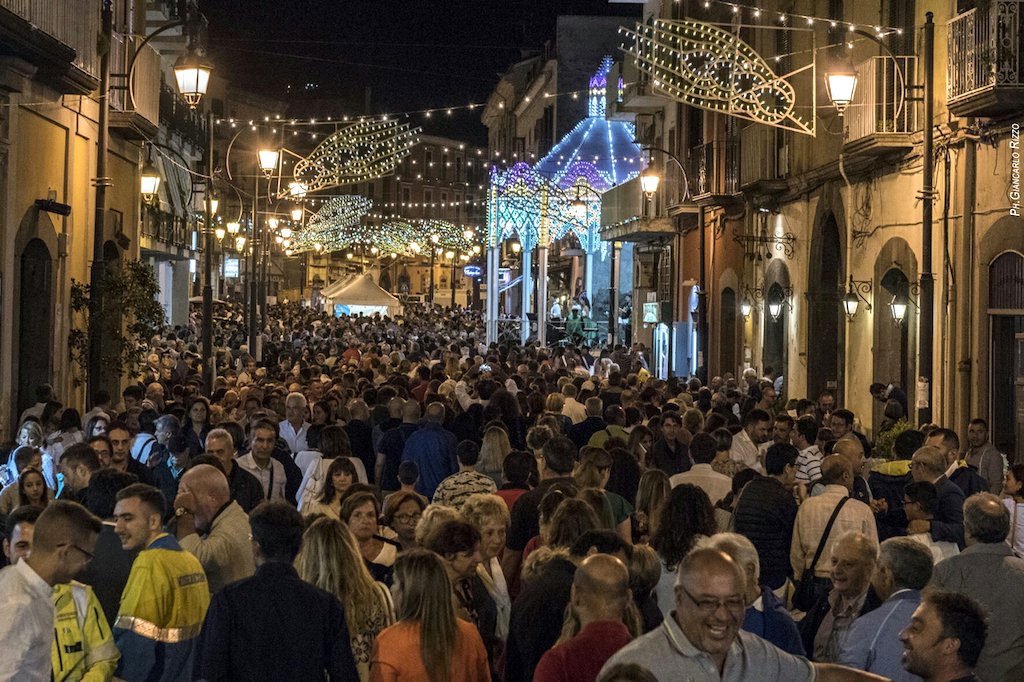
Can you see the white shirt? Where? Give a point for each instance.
(574, 410)
(272, 478)
(296, 439)
(940, 550)
(808, 464)
(26, 628)
(745, 452)
(716, 485)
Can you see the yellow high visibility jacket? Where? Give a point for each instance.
(162, 611)
(83, 646)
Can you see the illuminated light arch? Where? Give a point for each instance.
(359, 152)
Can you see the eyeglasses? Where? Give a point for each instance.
(406, 518)
(89, 556)
(711, 606)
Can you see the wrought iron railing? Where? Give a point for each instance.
(166, 227)
(73, 22)
(715, 168)
(177, 116)
(985, 49)
(883, 102)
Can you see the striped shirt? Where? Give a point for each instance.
(808, 464)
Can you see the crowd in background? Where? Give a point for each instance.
(391, 498)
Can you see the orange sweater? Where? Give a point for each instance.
(396, 655)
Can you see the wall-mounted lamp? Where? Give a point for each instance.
(857, 292)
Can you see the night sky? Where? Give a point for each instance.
(321, 56)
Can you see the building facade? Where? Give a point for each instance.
(792, 224)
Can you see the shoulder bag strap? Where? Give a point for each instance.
(828, 529)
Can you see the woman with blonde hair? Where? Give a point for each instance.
(593, 471)
(428, 643)
(493, 451)
(650, 495)
(330, 560)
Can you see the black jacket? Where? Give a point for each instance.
(580, 433)
(274, 626)
(671, 463)
(765, 514)
(245, 488)
(537, 617)
(812, 621)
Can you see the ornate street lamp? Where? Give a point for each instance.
(149, 181)
(841, 84)
(192, 74)
(649, 182)
(268, 160)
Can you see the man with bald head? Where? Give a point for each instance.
(813, 517)
(213, 527)
(599, 598)
(947, 524)
(432, 448)
(702, 640)
(988, 572)
(853, 451)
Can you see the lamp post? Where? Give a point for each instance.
(649, 183)
(841, 86)
(433, 255)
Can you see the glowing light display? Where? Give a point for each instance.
(710, 68)
(358, 152)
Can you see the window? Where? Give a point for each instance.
(406, 195)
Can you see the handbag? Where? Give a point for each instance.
(803, 596)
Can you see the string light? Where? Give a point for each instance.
(358, 152)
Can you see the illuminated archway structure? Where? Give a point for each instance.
(541, 204)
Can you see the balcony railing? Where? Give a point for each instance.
(166, 227)
(146, 86)
(882, 103)
(985, 65)
(73, 22)
(716, 169)
(178, 117)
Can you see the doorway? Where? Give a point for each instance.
(1006, 313)
(825, 345)
(727, 332)
(35, 322)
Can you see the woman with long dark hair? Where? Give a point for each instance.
(340, 476)
(428, 642)
(686, 516)
(197, 425)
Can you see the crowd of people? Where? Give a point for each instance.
(393, 499)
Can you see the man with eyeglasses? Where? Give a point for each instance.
(702, 640)
(63, 540)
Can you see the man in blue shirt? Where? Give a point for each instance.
(432, 448)
(873, 641)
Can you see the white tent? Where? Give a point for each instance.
(362, 296)
(336, 286)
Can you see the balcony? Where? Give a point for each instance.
(764, 163)
(715, 174)
(166, 234)
(177, 117)
(138, 119)
(882, 118)
(58, 37)
(984, 69)
(627, 215)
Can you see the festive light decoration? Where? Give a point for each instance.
(357, 153)
(336, 223)
(562, 192)
(793, 18)
(707, 67)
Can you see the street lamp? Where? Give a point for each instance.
(517, 247)
(286, 232)
(775, 308)
(268, 161)
(192, 73)
(856, 293)
(273, 223)
(219, 232)
(214, 204)
(745, 307)
(233, 228)
(841, 84)
(649, 182)
(149, 181)
(297, 213)
(898, 306)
